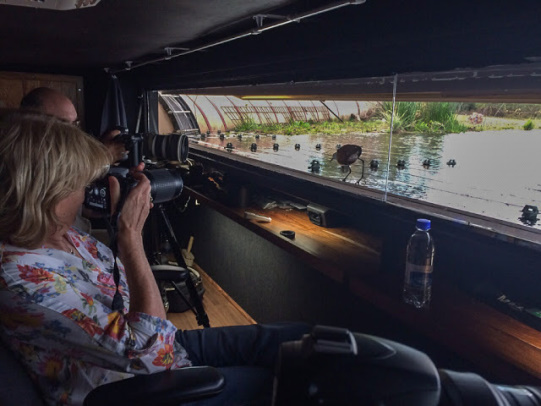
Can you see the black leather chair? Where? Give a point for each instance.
(164, 388)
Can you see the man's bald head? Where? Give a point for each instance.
(50, 101)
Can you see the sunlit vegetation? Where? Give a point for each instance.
(295, 127)
(413, 117)
(427, 118)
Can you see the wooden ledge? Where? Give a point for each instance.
(336, 252)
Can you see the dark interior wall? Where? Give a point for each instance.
(276, 285)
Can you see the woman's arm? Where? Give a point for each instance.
(144, 293)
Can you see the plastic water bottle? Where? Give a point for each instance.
(419, 266)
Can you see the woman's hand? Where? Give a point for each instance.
(114, 187)
(137, 205)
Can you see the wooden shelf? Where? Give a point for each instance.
(336, 252)
(497, 343)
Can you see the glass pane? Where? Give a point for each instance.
(479, 158)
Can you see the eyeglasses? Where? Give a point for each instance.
(76, 123)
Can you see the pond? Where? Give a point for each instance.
(496, 173)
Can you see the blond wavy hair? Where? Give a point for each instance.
(42, 161)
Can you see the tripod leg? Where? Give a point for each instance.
(201, 317)
(200, 313)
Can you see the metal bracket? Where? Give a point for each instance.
(259, 18)
(169, 51)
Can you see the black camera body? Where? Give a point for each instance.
(166, 183)
(129, 140)
(98, 193)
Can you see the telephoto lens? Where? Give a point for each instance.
(469, 389)
(170, 147)
(166, 184)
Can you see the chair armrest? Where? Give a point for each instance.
(162, 388)
(170, 273)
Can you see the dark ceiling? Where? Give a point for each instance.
(377, 38)
(115, 31)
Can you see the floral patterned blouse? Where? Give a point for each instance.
(55, 314)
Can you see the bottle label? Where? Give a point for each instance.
(418, 275)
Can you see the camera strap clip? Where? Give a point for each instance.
(334, 340)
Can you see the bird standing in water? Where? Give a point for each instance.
(348, 155)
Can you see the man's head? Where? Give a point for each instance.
(50, 101)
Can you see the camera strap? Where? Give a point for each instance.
(118, 301)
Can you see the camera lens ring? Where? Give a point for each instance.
(182, 148)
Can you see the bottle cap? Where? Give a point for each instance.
(423, 224)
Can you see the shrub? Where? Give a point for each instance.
(528, 125)
(441, 117)
(422, 127)
(405, 114)
(247, 124)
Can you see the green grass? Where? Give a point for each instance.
(295, 127)
(504, 110)
(498, 123)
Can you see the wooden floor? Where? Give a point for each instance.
(220, 307)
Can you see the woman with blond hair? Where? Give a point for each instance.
(57, 311)
(56, 283)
